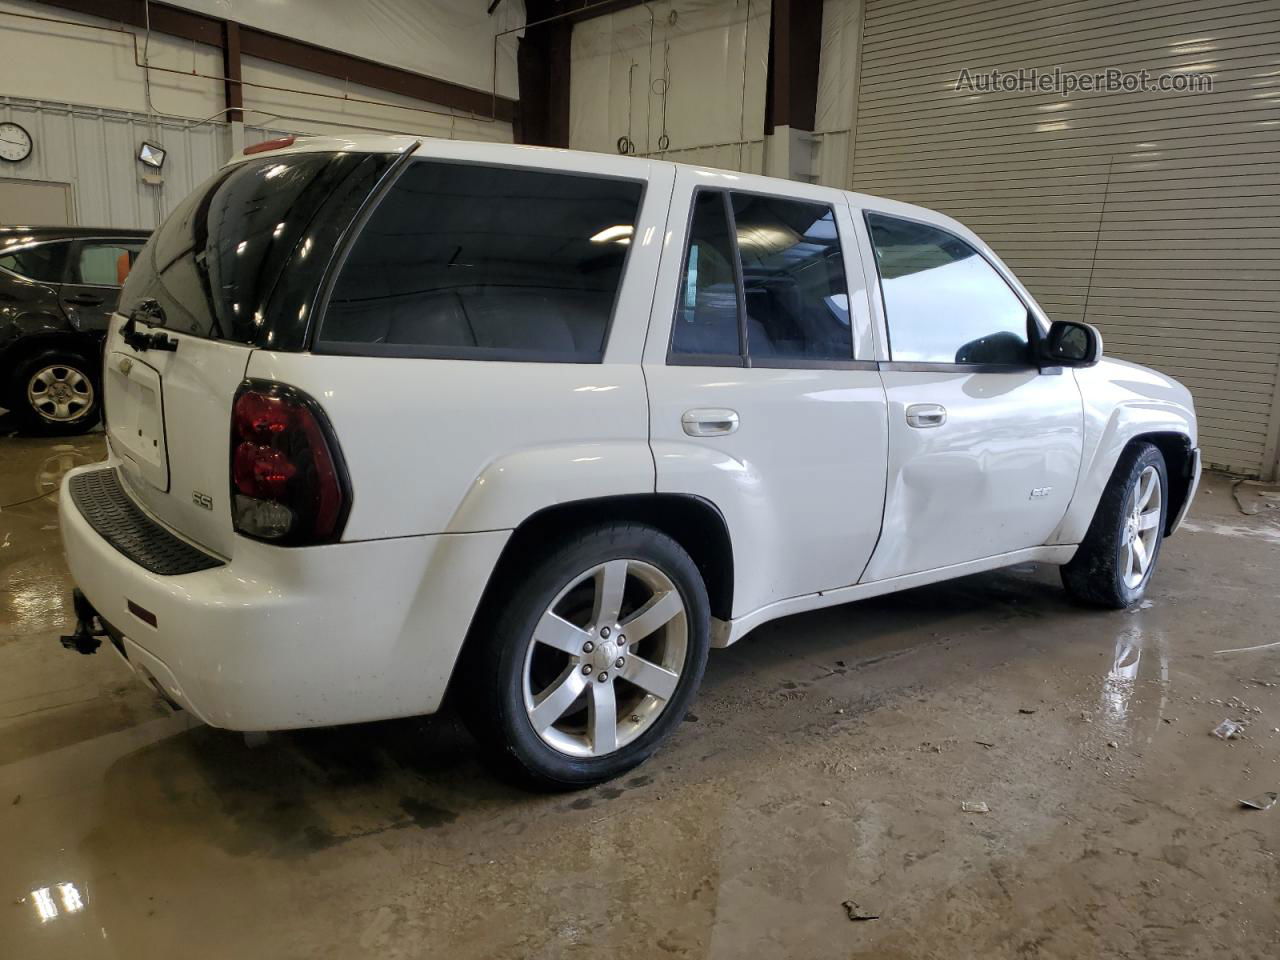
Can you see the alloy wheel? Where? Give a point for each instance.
(1141, 532)
(60, 393)
(605, 658)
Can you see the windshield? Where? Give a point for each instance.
(214, 266)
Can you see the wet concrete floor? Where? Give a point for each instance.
(825, 760)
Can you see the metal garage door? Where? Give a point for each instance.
(1155, 215)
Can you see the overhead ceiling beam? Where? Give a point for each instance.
(380, 76)
(299, 54)
(578, 11)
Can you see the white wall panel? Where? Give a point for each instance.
(449, 39)
(95, 151)
(711, 60)
(1152, 215)
(91, 61)
(300, 102)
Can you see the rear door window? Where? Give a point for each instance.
(770, 268)
(479, 262)
(944, 303)
(793, 279)
(103, 263)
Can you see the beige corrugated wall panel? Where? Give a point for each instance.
(1154, 215)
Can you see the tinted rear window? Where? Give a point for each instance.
(214, 265)
(478, 262)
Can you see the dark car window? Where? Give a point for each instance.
(943, 301)
(103, 263)
(41, 261)
(214, 264)
(706, 321)
(481, 262)
(793, 279)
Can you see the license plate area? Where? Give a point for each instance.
(135, 418)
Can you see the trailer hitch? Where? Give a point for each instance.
(89, 627)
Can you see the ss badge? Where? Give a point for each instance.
(202, 499)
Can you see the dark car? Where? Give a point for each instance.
(58, 288)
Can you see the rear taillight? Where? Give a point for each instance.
(288, 482)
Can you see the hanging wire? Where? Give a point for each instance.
(648, 100)
(664, 140)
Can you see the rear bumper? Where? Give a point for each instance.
(277, 638)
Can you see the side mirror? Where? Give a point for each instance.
(1071, 344)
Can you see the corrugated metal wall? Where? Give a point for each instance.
(95, 150)
(1155, 216)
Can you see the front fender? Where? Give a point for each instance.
(514, 487)
(1122, 402)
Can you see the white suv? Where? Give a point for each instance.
(390, 419)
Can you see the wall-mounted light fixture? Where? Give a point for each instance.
(151, 154)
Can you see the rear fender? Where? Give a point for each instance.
(514, 487)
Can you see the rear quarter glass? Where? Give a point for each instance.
(242, 257)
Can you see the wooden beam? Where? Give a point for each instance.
(542, 65)
(580, 11)
(380, 76)
(795, 48)
(176, 22)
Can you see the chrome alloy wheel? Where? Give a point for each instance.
(60, 393)
(1141, 530)
(605, 658)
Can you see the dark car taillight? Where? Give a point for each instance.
(288, 482)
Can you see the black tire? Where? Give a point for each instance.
(33, 419)
(1096, 575)
(492, 683)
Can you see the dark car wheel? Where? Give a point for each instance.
(57, 393)
(590, 661)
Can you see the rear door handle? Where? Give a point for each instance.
(709, 422)
(85, 300)
(924, 415)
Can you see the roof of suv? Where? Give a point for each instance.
(399, 143)
(523, 154)
(30, 234)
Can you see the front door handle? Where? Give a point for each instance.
(709, 422)
(924, 415)
(85, 299)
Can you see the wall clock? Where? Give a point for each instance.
(15, 143)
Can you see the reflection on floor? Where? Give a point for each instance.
(826, 760)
